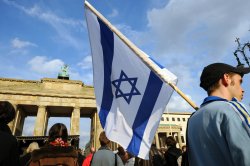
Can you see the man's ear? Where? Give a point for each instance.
(225, 80)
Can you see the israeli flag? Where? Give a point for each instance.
(130, 97)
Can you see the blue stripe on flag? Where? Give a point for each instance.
(107, 41)
(149, 99)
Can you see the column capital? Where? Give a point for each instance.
(41, 106)
(76, 107)
(14, 105)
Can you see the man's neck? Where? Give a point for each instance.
(222, 93)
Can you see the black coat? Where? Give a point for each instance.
(25, 159)
(171, 156)
(9, 155)
(184, 161)
(80, 158)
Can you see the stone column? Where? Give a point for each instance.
(75, 121)
(179, 139)
(93, 130)
(40, 121)
(11, 124)
(46, 122)
(157, 141)
(18, 122)
(98, 130)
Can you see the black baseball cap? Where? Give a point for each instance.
(214, 72)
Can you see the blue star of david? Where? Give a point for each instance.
(133, 91)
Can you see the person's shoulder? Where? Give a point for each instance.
(104, 151)
(216, 104)
(230, 111)
(179, 150)
(216, 107)
(242, 113)
(6, 134)
(54, 151)
(174, 151)
(6, 137)
(104, 154)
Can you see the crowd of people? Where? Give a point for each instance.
(217, 134)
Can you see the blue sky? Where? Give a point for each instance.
(38, 37)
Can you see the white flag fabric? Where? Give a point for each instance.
(130, 97)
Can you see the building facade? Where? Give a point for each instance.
(172, 124)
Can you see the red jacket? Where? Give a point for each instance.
(87, 160)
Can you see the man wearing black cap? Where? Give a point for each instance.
(219, 132)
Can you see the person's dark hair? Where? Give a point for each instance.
(7, 112)
(58, 130)
(170, 141)
(121, 151)
(153, 145)
(214, 86)
(103, 139)
(211, 88)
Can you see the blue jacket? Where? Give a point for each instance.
(219, 134)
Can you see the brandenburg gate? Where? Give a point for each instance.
(51, 98)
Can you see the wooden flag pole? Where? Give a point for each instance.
(141, 55)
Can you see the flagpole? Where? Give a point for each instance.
(141, 55)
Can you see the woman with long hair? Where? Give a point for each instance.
(57, 151)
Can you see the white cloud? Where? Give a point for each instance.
(51, 67)
(19, 51)
(86, 77)
(51, 17)
(137, 37)
(114, 13)
(86, 67)
(184, 74)
(17, 43)
(199, 28)
(47, 16)
(189, 35)
(43, 65)
(178, 104)
(65, 27)
(86, 63)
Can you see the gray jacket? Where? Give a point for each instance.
(105, 157)
(218, 135)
